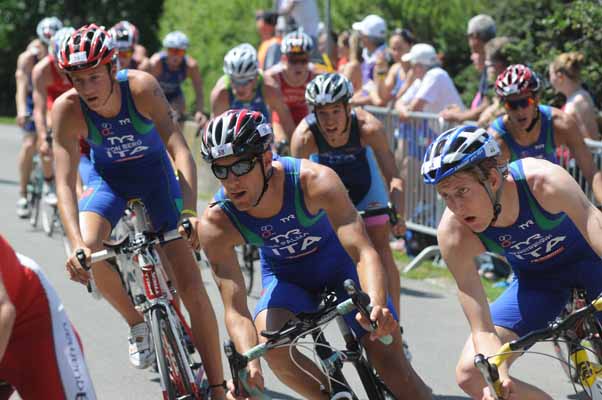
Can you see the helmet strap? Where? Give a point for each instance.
(534, 120)
(266, 179)
(494, 197)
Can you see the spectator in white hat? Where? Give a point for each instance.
(433, 90)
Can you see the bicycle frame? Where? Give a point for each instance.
(589, 373)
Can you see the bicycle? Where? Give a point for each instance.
(180, 375)
(331, 359)
(587, 373)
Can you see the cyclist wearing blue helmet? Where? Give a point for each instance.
(531, 211)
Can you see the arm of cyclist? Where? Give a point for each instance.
(7, 318)
(68, 124)
(24, 66)
(150, 101)
(324, 190)
(218, 237)
(303, 143)
(557, 191)
(373, 134)
(39, 78)
(567, 129)
(220, 101)
(197, 83)
(273, 98)
(459, 245)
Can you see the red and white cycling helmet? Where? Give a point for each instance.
(236, 132)
(517, 79)
(88, 47)
(124, 34)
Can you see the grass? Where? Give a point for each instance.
(8, 120)
(428, 270)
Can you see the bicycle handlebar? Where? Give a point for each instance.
(289, 332)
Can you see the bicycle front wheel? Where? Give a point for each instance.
(173, 367)
(373, 385)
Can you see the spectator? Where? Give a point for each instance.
(565, 77)
(481, 29)
(496, 61)
(434, 89)
(265, 22)
(395, 83)
(372, 31)
(326, 63)
(343, 49)
(353, 68)
(305, 14)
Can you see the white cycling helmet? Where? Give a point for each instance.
(327, 89)
(59, 37)
(240, 63)
(176, 40)
(47, 28)
(296, 42)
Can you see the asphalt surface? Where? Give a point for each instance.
(435, 326)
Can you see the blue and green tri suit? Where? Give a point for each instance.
(545, 147)
(549, 257)
(130, 161)
(355, 164)
(257, 103)
(171, 80)
(300, 253)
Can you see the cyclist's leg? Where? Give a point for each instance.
(379, 235)
(279, 303)
(28, 149)
(163, 202)
(519, 310)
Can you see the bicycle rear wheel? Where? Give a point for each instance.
(34, 204)
(172, 364)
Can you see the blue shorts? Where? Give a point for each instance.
(377, 196)
(531, 302)
(297, 288)
(84, 169)
(30, 126)
(157, 187)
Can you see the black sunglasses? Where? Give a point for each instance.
(238, 168)
(520, 103)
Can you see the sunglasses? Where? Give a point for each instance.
(303, 60)
(176, 52)
(126, 53)
(242, 82)
(238, 168)
(520, 103)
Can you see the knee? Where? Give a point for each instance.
(469, 378)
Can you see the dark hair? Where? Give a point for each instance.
(269, 17)
(333, 36)
(406, 35)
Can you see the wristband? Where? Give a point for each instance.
(188, 211)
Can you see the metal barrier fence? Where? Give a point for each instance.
(423, 206)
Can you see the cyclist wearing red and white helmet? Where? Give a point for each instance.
(243, 86)
(309, 236)
(36, 50)
(532, 212)
(127, 122)
(292, 75)
(130, 53)
(40, 352)
(529, 129)
(49, 82)
(171, 67)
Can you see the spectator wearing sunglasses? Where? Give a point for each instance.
(529, 129)
(564, 74)
(291, 76)
(171, 67)
(243, 86)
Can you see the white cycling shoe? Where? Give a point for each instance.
(23, 210)
(142, 352)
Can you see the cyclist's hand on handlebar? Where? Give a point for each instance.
(75, 269)
(399, 229)
(385, 323)
(508, 391)
(44, 148)
(254, 380)
(188, 230)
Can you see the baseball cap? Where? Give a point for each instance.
(421, 53)
(372, 25)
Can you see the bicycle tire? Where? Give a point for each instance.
(371, 383)
(35, 210)
(172, 367)
(47, 214)
(250, 254)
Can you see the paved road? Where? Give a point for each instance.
(434, 324)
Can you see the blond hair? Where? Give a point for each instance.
(569, 64)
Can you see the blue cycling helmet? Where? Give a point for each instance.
(460, 148)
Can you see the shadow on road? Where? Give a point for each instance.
(444, 397)
(419, 293)
(9, 182)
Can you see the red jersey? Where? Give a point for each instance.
(294, 98)
(60, 84)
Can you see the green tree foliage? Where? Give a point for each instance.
(18, 20)
(546, 28)
(213, 28)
